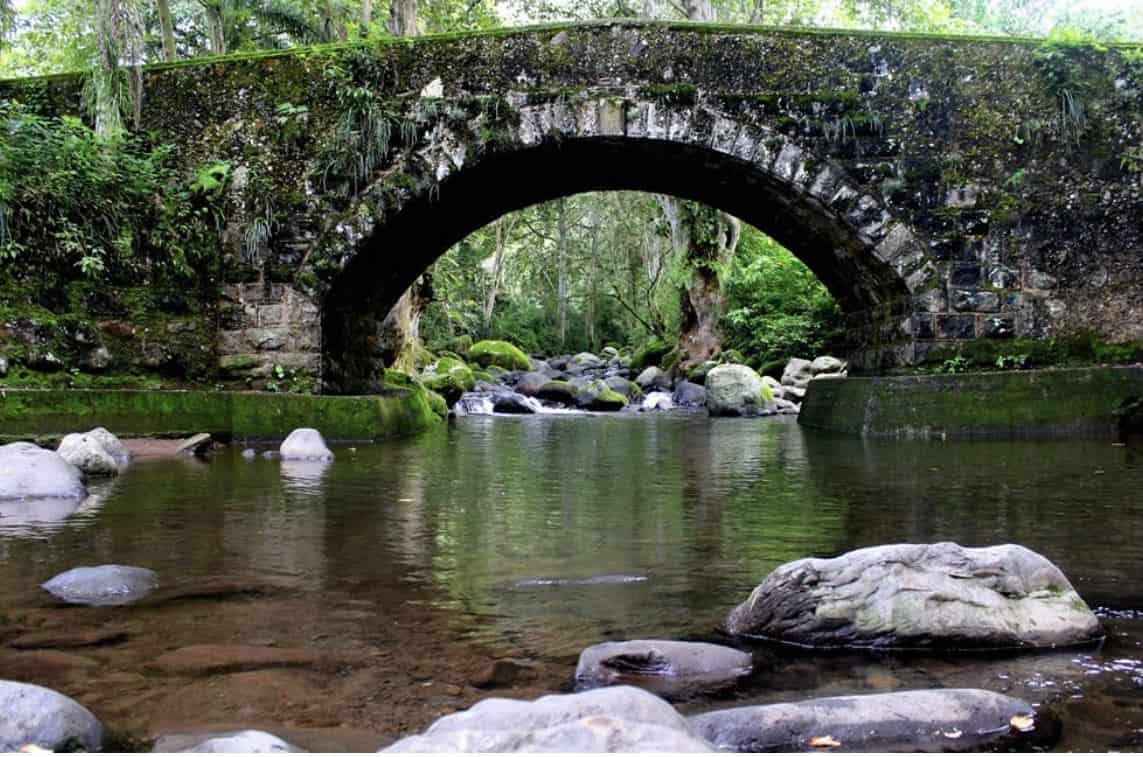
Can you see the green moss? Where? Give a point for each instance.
(650, 354)
(502, 354)
(1072, 350)
(766, 394)
(597, 396)
(437, 403)
(480, 375)
(395, 379)
(244, 415)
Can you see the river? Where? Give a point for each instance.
(344, 605)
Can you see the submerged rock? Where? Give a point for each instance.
(305, 444)
(614, 719)
(937, 720)
(678, 664)
(35, 716)
(919, 595)
(734, 390)
(103, 585)
(31, 472)
(256, 742)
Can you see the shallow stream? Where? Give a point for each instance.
(344, 605)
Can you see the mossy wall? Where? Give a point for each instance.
(28, 414)
(930, 181)
(1076, 401)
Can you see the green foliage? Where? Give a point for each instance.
(1060, 59)
(1011, 362)
(650, 354)
(72, 201)
(956, 364)
(776, 307)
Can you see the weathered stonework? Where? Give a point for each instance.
(927, 181)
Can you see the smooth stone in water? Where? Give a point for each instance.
(798, 373)
(31, 472)
(926, 720)
(735, 390)
(687, 664)
(256, 742)
(249, 454)
(919, 596)
(614, 719)
(103, 585)
(88, 454)
(111, 443)
(688, 394)
(657, 401)
(33, 715)
(305, 444)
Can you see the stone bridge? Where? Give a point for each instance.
(933, 184)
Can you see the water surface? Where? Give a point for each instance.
(406, 568)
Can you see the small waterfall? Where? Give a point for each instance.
(658, 401)
(474, 403)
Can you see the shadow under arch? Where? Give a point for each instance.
(827, 239)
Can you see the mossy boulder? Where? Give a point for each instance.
(437, 403)
(395, 379)
(450, 378)
(599, 397)
(563, 392)
(481, 375)
(650, 354)
(501, 354)
(461, 345)
(628, 389)
(697, 373)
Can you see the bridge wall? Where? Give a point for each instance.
(930, 182)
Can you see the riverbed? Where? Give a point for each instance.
(345, 605)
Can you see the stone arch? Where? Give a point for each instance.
(466, 172)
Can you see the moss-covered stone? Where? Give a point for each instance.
(598, 397)
(490, 352)
(650, 354)
(563, 392)
(28, 414)
(999, 404)
(437, 403)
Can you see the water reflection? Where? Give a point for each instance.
(38, 518)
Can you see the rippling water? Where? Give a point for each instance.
(532, 537)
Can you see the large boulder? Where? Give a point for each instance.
(531, 383)
(586, 360)
(903, 721)
(919, 596)
(798, 373)
(102, 585)
(88, 454)
(663, 666)
(598, 397)
(653, 379)
(562, 392)
(614, 719)
(501, 354)
(513, 403)
(305, 444)
(621, 385)
(827, 366)
(31, 472)
(244, 742)
(688, 394)
(450, 378)
(38, 717)
(733, 390)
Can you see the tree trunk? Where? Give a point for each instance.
(216, 27)
(699, 10)
(503, 229)
(403, 18)
(167, 28)
(593, 287)
(563, 284)
(711, 240)
(366, 16)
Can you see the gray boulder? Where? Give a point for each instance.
(33, 715)
(103, 585)
(619, 384)
(586, 360)
(792, 393)
(531, 383)
(786, 407)
(908, 721)
(798, 373)
(826, 366)
(88, 454)
(512, 403)
(733, 390)
(653, 379)
(688, 394)
(256, 742)
(664, 665)
(562, 392)
(31, 472)
(305, 444)
(919, 596)
(614, 719)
